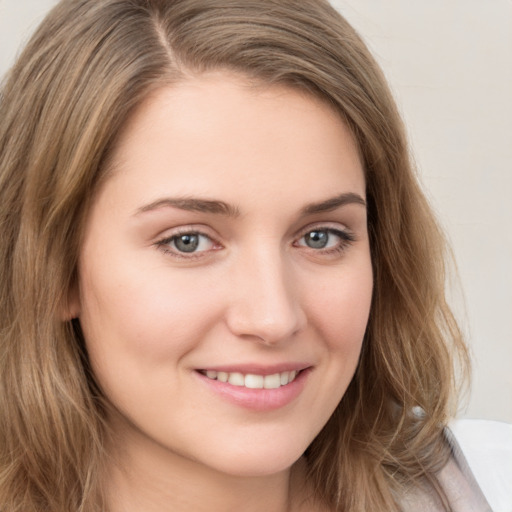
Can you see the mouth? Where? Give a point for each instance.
(253, 380)
(260, 389)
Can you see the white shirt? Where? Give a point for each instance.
(487, 448)
(478, 475)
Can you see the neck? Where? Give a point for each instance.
(144, 477)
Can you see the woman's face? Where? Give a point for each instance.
(230, 243)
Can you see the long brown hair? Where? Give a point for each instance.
(63, 104)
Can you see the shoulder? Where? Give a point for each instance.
(486, 447)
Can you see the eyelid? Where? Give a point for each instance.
(347, 237)
(325, 226)
(163, 242)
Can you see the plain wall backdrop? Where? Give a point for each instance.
(449, 63)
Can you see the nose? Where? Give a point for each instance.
(264, 301)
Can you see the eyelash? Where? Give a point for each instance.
(346, 239)
(164, 244)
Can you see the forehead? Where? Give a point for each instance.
(218, 129)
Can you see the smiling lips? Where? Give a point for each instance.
(253, 381)
(257, 389)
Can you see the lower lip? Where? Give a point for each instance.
(258, 399)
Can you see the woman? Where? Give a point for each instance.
(222, 285)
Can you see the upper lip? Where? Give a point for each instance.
(257, 369)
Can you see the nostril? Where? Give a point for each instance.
(268, 327)
(264, 302)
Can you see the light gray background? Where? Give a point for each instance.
(449, 63)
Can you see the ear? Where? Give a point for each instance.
(71, 304)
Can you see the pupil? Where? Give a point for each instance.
(187, 243)
(317, 239)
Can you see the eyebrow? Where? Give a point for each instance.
(193, 205)
(333, 203)
(222, 208)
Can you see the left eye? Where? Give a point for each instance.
(323, 239)
(188, 243)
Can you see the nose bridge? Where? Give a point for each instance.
(265, 304)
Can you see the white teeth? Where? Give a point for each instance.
(253, 381)
(272, 381)
(236, 379)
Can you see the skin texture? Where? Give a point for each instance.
(252, 293)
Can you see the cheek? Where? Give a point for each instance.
(342, 311)
(147, 318)
(339, 312)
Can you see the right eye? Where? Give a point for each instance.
(191, 242)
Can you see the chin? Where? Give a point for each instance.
(256, 459)
(258, 467)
